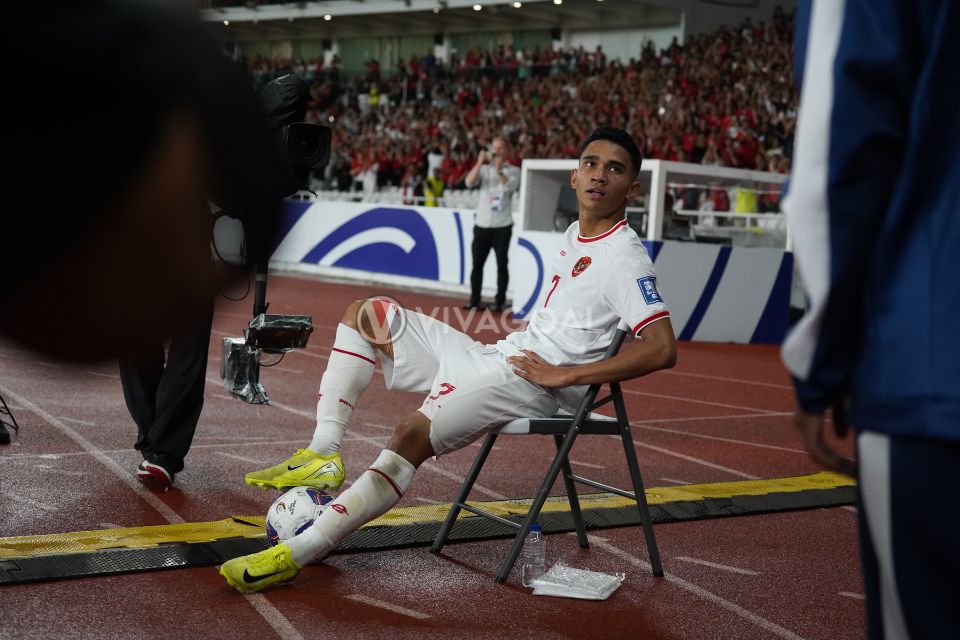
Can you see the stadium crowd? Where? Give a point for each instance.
(725, 98)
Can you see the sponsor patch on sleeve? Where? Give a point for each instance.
(648, 286)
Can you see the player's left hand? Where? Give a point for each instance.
(532, 367)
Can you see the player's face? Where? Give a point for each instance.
(604, 179)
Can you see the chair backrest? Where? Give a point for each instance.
(587, 404)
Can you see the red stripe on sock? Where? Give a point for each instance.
(388, 479)
(351, 353)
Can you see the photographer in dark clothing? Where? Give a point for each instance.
(164, 394)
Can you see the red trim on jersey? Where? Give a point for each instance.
(388, 479)
(602, 235)
(643, 323)
(351, 353)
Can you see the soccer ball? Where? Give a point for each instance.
(294, 511)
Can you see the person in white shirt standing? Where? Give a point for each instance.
(602, 279)
(498, 180)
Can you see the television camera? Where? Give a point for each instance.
(299, 147)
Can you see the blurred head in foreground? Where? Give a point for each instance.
(130, 122)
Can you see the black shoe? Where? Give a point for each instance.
(4, 434)
(475, 307)
(497, 308)
(153, 475)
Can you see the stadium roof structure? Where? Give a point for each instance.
(349, 18)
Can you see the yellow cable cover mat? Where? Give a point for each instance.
(253, 526)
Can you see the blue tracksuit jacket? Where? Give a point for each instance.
(874, 212)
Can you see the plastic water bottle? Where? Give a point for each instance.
(534, 556)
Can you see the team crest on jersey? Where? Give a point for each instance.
(581, 266)
(648, 286)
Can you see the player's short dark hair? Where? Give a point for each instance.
(618, 137)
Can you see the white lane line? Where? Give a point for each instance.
(272, 615)
(675, 481)
(389, 607)
(48, 364)
(723, 379)
(109, 525)
(237, 438)
(664, 396)
(125, 476)
(428, 500)
(240, 458)
(280, 368)
(692, 459)
(584, 464)
(57, 456)
(85, 423)
(430, 466)
(479, 488)
(855, 596)
(700, 592)
(704, 436)
(33, 504)
(702, 418)
(378, 426)
(721, 567)
(112, 376)
(60, 471)
(267, 611)
(849, 508)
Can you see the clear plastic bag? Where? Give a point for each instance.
(566, 582)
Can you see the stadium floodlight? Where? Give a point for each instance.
(517, 5)
(477, 7)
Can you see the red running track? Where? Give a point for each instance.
(721, 415)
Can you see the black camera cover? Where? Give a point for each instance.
(279, 334)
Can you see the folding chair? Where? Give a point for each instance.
(565, 430)
(10, 421)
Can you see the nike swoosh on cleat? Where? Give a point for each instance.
(289, 468)
(249, 579)
(330, 467)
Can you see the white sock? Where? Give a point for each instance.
(375, 491)
(348, 374)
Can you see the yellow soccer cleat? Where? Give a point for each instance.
(304, 469)
(259, 570)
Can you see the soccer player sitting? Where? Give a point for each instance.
(602, 277)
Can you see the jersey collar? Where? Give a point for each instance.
(622, 223)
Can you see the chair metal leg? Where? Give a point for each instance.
(573, 498)
(465, 488)
(637, 479)
(5, 410)
(552, 473)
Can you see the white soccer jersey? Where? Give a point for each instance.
(596, 284)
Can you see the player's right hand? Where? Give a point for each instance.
(811, 428)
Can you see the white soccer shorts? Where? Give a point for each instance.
(471, 388)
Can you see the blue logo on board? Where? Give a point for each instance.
(382, 240)
(648, 286)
